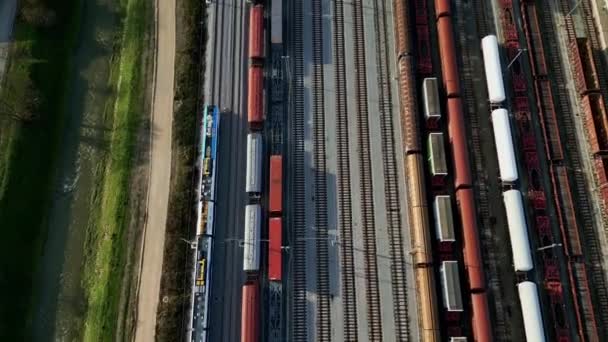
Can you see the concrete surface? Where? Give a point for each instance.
(160, 173)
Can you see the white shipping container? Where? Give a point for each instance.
(210, 217)
(253, 182)
(276, 22)
(251, 242)
(450, 284)
(507, 163)
(518, 231)
(444, 219)
(491, 63)
(430, 94)
(530, 309)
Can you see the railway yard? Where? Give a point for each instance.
(427, 170)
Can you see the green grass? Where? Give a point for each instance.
(106, 235)
(28, 154)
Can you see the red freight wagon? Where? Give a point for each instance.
(249, 313)
(275, 203)
(255, 98)
(275, 262)
(482, 330)
(256, 32)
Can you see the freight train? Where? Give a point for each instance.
(255, 213)
(422, 254)
(462, 177)
(516, 218)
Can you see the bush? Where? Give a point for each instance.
(37, 14)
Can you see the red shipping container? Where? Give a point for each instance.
(255, 98)
(256, 32)
(275, 262)
(275, 202)
(249, 312)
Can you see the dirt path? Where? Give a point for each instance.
(160, 172)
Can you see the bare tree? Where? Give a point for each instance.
(21, 108)
(37, 14)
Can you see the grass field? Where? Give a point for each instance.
(187, 71)
(28, 153)
(105, 244)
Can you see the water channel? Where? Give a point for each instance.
(60, 304)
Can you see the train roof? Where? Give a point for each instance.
(430, 95)
(437, 154)
(450, 283)
(444, 219)
(531, 311)
(518, 231)
(503, 139)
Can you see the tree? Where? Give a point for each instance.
(37, 14)
(21, 108)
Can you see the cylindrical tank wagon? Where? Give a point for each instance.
(458, 143)
(530, 308)
(518, 231)
(427, 308)
(491, 63)
(507, 164)
(462, 174)
(447, 47)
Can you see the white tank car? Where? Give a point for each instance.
(491, 63)
(253, 181)
(251, 241)
(518, 231)
(530, 309)
(507, 164)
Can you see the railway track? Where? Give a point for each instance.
(344, 198)
(469, 71)
(299, 325)
(367, 203)
(577, 269)
(323, 322)
(391, 185)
